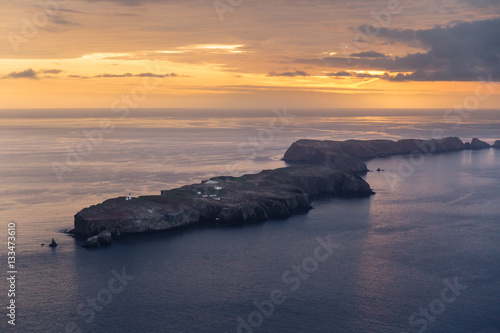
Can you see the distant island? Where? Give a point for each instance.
(350, 155)
(321, 169)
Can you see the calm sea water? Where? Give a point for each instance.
(397, 251)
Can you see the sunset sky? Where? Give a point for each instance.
(249, 53)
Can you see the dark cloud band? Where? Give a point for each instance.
(460, 52)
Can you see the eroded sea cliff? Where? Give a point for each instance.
(254, 198)
(323, 168)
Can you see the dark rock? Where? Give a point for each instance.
(91, 242)
(271, 194)
(53, 243)
(477, 144)
(255, 198)
(349, 156)
(104, 238)
(69, 232)
(351, 186)
(467, 146)
(43, 244)
(496, 144)
(116, 234)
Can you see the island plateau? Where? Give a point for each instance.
(319, 169)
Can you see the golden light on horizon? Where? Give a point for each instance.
(80, 53)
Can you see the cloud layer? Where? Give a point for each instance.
(30, 74)
(129, 75)
(459, 52)
(289, 74)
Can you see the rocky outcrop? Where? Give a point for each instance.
(104, 238)
(349, 156)
(496, 144)
(477, 144)
(91, 242)
(271, 194)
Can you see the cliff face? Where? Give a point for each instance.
(477, 144)
(496, 144)
(349, 155)
(141, 214)
(271, 194)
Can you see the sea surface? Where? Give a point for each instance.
(422, 255)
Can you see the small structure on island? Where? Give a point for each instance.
(129, 197)
(53, 243)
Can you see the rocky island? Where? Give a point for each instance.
(350, 155)
(322, 168)
(226, 201)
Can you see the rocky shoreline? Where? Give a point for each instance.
(323, 168)
(224, 201)
(350, 155)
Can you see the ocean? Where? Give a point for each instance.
(419, 256)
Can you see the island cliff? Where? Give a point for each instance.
(349, 156)
(329, 169)
(227, 201)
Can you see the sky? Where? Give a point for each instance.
(250, 53)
